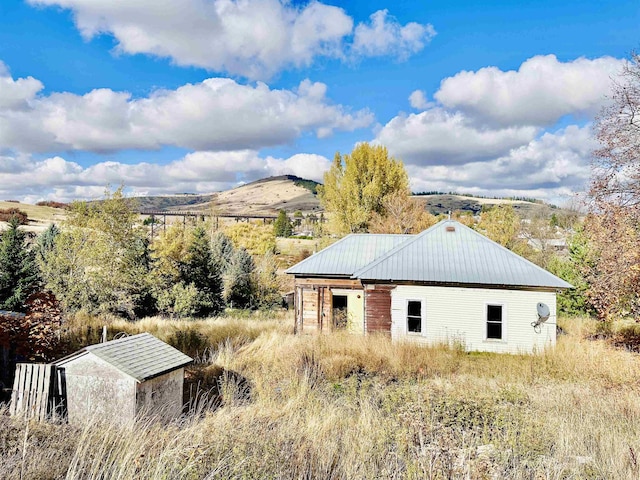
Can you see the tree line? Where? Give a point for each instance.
(102, 261)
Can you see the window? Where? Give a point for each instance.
(494, 322)
(414, 316)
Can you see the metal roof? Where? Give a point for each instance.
(450, 252)
(141, 356)
(348, 254)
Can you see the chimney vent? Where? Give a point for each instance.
(450, 228)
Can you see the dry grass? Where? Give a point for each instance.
(342, 406)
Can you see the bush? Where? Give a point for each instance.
(184, 301)
(52, 204)
(8, 213)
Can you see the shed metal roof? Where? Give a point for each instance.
(141, 356)
(450, 252)
(348, 254)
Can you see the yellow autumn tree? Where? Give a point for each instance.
(503, 225)
(357, 185)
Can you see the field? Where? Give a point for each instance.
(39, 216)
(339, 406)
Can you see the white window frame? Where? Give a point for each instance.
(485, 315)
(423, 316)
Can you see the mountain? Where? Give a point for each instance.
(262, 197)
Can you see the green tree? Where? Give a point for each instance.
(357, 185)
(282, 225)
(222, 251)
(46, 241)
(574, 301)
(200, 270)
(503, 225)
(101, 261)
(18, 270)
(239, 287)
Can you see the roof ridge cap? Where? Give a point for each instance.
(398, 248)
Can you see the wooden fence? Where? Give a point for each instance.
(32, 393)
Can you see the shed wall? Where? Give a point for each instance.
(458, 315)
(98, 390)
(161, 395)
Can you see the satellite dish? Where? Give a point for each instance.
(543, 312)
(543, 315)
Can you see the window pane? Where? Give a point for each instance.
(414, 324)
(414, 309)
(494, 330)
(494, 313)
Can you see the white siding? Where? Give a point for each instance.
(458, 315)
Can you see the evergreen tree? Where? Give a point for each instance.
(240, 286)
(222, 251)
(282, 226)
(200, 270)
(46, 241)
(18, 271)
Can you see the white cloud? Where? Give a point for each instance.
(418, 100)
(56, 178)
(540, 92)
(252, 38)
(216, 114)
(552, 167)
(439, 137)
(16, 94)
(383, 35)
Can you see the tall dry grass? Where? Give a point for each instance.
(342, 406)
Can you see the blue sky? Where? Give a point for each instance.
(491, 97)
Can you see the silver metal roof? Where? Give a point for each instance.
(141, 356)
(348, 254)
(450, 252)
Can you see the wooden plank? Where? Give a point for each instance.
(37, 391)
(31, 391)
(14, 393)
(328, 282)
(44, 392)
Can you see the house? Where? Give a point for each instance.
(122, 379)
(448, 284)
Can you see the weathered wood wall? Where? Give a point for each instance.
(377, 303)
(313, 302)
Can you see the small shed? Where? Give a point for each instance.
(122, 379)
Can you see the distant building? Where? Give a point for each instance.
(449, 284)
(122, 379)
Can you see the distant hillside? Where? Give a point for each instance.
(438, 203)
(262, 197)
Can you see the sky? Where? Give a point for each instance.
(485, 97)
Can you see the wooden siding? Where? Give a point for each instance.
(313, 302)
(310, 314)
(377, 308)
